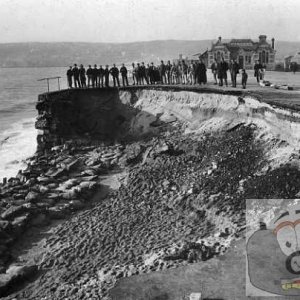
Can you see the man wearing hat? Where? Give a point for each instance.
(69, 77)
(76, 76)
(94, 76)
(82, 76)
(114, 71)
(89, 73)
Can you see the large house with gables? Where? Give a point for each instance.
(245, 51)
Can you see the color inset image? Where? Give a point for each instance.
(273, 247)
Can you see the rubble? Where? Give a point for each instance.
(182, 201)
(54, 185)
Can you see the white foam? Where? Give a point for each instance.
(17, 143)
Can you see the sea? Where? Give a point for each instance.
(19, 90)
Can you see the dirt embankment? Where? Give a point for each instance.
(182, 200)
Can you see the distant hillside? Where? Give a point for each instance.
(64, 54)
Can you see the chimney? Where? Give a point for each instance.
(180, 56)
(273, 43)
(262, 38)
(219, 39)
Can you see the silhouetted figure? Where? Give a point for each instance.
(234, 70)
(106, 76)
(293, 67)
(100, 76)
(94, 75)
(69, 77)
(123, 71)
(257, 70)
(152, 73)
(89, 74)
(143, 77)
(168, 72)
(222, 72)
(201, 72)
(162, 72)
(244, 78)
(82, 76)
(114, 71)
(76, 76)
(138, 73)
(147, 73)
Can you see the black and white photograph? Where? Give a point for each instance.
(149, 149)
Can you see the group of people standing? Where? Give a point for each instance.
(169, 73)
(220, 69)
(180, 73)
(93, 77)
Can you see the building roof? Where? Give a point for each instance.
(241, 41)
(234, 45)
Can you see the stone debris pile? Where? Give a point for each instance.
(179, 204)
(53, 186)
(182, 201)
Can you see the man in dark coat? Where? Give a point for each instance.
(201, 72)
(138, 73)
(147, 73)
(114, 71)
(143, 74)
(222, 71)
(89, 73)
(69, 77)
(152, 73)
(106, 76)
(100, 76)
(162, 72)
(82, 76)
(234, 70)
(76, 76)
(244, 78)
(123, 72)
(94, 75)
(257, 70)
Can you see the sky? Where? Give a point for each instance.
(144, 20)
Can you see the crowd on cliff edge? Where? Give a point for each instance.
(169, 73)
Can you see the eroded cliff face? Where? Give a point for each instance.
(109, 115)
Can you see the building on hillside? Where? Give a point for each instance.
(287, 62)
(245, 51)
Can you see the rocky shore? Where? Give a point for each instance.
(182, 201)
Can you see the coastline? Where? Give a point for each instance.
(178, 199)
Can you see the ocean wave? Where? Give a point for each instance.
(17, 143)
